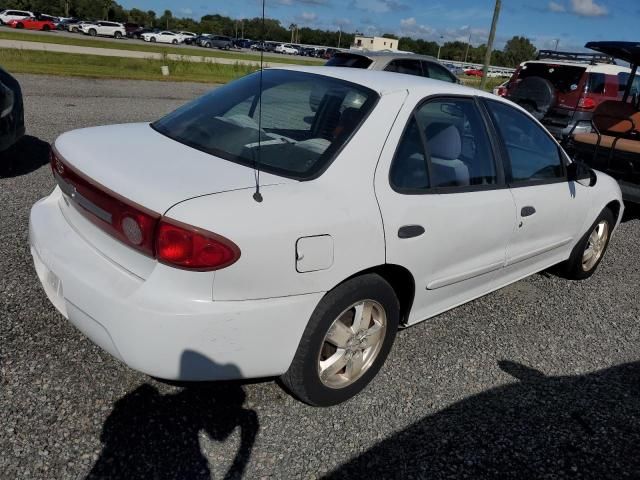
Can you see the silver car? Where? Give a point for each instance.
(409, 63)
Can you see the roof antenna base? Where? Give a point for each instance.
(257, 196)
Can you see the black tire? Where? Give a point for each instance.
(175, 42)
(208, 45)
(117, 35)
(20, 25)
(93, 32)
(153, 40)
(573, 268)
(46, 28)
(302, 379)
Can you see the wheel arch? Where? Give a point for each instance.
(400, 279)
(615, 208)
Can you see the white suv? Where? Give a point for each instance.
(108, 29)
(7, 15)
(287, 49)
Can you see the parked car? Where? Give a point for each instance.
(162, 37)
(286, 49)
(76, 27)
(474, 72)
(195, 273)
(137, 34)
(7, 15)
(130, 28)
(562, 89)
(64, 23)
(33, 23)
(187, 37)
(11, 111)
(103, 28)
(614, 144)
(218, 41)
(201, 39)
(410, 64)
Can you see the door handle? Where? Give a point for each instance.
(410, 231)
(527, 211)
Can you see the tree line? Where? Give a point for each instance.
(515, 51)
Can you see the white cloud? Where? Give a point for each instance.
(588, 8)
(307, 17)
(408, 22)
(378, 6)
(556, 7)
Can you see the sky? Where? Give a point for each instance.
(570, 22)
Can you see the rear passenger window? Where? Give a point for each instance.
(409, 67)
(437, 72)
(533, 155)
(596, 83)
(451, 135)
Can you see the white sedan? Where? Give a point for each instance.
(381, 200)
(163, 37)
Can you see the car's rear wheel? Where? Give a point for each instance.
(93, 32)
(46, 28)
(589, 251)
(20, 25)
(346, 342)
(208, 45)
(117, 35)
(175, 42)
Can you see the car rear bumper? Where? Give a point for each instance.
(153, 327)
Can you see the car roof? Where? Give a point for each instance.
(387, 82)
(383, 55)
(597, 68)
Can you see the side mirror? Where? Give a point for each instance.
(580, 173)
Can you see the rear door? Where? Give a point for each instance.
(447, 212)
(549, 209)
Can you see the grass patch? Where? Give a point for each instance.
(492, 82)
(140, 46)
(96, 66)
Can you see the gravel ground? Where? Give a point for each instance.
(538, 380)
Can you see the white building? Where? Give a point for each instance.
(374, 44)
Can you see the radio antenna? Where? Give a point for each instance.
(257, 196)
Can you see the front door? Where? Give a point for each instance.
(550, 210)
(447, 213)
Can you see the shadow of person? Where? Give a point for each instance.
(584, 426)
(26, 156)
(156, 436)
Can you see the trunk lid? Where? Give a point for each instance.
(151, 169)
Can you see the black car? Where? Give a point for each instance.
(137, 33)
(11, 111)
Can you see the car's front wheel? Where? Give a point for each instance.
(589, 251)
(93, 32)
(175, 42)
(153, 39)
(346, 342)
(46, 28)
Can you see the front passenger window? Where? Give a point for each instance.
(533, 155)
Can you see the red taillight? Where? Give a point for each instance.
(169, 241)
(184, 246)
(587, 103)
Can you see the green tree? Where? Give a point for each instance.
(517, 50)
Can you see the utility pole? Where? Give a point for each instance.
(557, 42)
(440, 46)
(467, 51)
(339, 36)
(492, 36)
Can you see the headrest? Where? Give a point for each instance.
(444, 141)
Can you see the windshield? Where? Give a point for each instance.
(565, 78)
(306, 119)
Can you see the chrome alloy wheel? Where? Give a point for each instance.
(352, 344)
(595, 245)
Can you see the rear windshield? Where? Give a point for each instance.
(349, 60)
(306, 119)
(565, 78)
